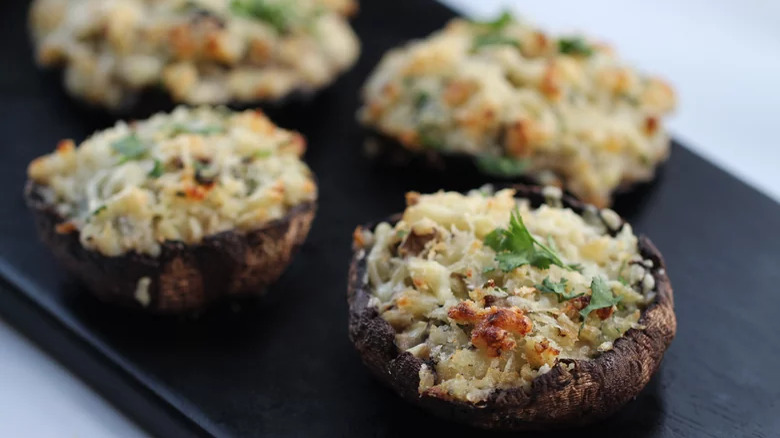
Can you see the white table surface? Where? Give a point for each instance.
(722, 56)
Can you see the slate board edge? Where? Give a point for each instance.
(119, 386)
(119, 383)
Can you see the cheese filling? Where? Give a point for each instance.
(563, 110)
(483, 319)
(199, 51)
(174, 177)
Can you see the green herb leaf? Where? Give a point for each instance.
(550, 287)
(510, 261)
(600, 298)
(559, 289)
(276, 14)
(180, 128)
(491, 34)
(99, 210)
(421, 99)
(551, 243)
(262, 154)
(130, 148)
(493, 39)
(430, 136)
(574, 46)
(495, 239)
(622, 279)
(516, 247)
(571, 266)
(505, 19)
(633, 101)
(157, 170)
(251, 186)
(504, 167)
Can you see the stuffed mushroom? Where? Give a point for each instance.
(196, 51)
(171, 213)
(521, 309)
(518, 102)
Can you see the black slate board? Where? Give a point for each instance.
(283, 366)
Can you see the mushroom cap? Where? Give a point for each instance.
(183, 278)
(572, 393)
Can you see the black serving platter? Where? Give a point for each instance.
(282, 366)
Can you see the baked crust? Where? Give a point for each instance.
(183, 278)
(574, 392)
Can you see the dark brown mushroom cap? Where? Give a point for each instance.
(574, 392)
(184, 278)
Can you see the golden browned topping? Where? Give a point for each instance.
(490, 292)
(174, 177)
(493, 326)
(563, 110)
(199, 51)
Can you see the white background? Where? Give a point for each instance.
(722, 56)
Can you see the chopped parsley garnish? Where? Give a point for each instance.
(157, 170)
(401, 233)
(421, 99)
(492, 34)
(559, 289)
(574, 46)
(430, 136)
(130, 148)
(501, 166)
(251, 186)
(180, 128)
(493, 39)
(600, 298)
(622, 279)
(632, 100)
(516, 247)
(503, 20)
(277, 14)
(262, 154)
